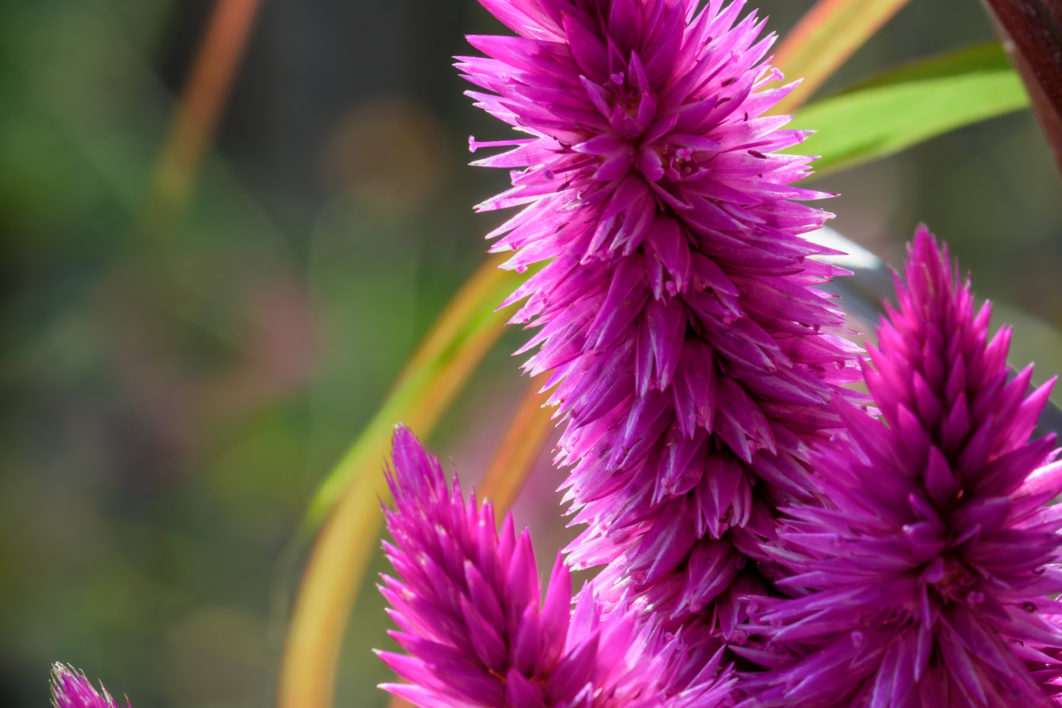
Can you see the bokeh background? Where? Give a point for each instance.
(177, 377)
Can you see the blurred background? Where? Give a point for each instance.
(182, 362)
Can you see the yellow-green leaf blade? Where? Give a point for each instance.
(901, 108)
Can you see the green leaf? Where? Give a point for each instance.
(900, 108)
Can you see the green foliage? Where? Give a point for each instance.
(900, 108)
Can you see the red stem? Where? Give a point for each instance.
(1032, 34)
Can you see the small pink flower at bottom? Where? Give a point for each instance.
(477, 631)
(71, 689)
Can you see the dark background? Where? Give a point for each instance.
(172, 396)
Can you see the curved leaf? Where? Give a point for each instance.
(897, 109)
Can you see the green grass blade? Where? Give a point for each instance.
(900, 108)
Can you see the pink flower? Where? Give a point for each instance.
(676, 306)
(468, 608)
(71, 689)
(928, 580)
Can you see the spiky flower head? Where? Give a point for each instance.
(468, 608)
(927, 582)
(71, 689)
(675, 309)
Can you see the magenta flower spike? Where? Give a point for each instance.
(927, 582)
(468, 607)
(690, 352)
(71, 689)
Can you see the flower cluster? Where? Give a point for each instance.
(467, 604)
(922, 578)
(71, 689)
(926, 580)
(764, 537)
(692, 358)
